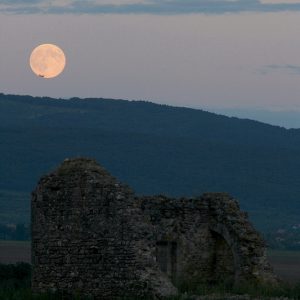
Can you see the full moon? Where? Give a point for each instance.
(47, 61)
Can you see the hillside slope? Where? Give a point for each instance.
(155, 149)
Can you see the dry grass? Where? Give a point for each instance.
(286, 264)
(14, 251)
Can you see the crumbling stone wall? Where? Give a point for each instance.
(88, 236)
(92, 235)
(213, 237)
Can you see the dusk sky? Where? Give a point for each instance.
(198, 53)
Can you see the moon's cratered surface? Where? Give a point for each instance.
(47, 60)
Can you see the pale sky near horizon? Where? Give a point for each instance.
(217, 53)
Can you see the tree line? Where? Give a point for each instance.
(18, 232)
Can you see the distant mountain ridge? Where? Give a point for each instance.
(157, 149)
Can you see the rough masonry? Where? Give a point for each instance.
(92, 235)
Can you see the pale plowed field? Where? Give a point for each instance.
(286, 264)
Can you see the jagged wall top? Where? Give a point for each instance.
(71, 167)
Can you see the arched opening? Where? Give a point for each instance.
(221, 261)
(166, 257)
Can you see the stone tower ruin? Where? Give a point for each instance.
(91, 235)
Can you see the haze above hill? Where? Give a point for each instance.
(156, 149)
(283, 118)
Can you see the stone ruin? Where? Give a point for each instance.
(93, 236)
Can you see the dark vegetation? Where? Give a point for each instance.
(15, 276)
(253, 290)
(15, 285)
(156, 149)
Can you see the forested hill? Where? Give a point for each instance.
(154, 148)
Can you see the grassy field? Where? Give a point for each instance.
(286, 264)
(14, 207)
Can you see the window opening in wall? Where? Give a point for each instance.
(222, 261)
(166, 257)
